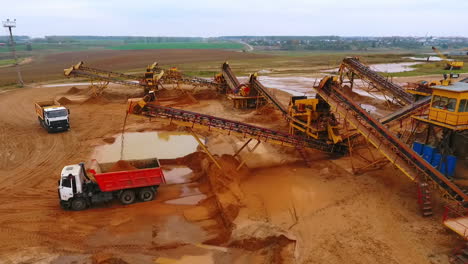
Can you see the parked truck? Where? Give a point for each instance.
(80, 187)
(52, 116)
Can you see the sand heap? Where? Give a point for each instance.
(122, 165)
(74, 90)
(64, 101)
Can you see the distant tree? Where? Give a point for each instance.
(29, 47)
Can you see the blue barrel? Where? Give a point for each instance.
(428, 152)
(436, 160)
(443, 167)
(418, 147)
(451, 164)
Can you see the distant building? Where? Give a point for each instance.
(2, 44)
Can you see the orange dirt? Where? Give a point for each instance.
(74, 90)
(64, 101)
(122, 165)
(332, 215)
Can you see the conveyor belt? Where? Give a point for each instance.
(105, 78)
(377, 80)
(255, 84)
(407, 110)
(229, 77)
(212, 123)
(398, 153)
(109, 73)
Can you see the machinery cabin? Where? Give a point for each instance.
(449, 107)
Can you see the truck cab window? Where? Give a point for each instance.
(66, 182)
(57, 113)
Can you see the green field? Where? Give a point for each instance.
(428, 69)
(6, 62)
(178, 45)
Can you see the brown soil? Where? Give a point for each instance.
(122, 165)
(332, 215)
(96, 100)
(73, 90)
(50, 66)
(64, 101)
(109, 140)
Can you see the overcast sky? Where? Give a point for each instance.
(209, 18)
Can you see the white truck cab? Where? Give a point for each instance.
(53, 116)
(71, 183)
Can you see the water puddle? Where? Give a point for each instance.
(431, 58)
(388, 67)
(187, 200)
(145, 145)
(177, 174)
(294, 85)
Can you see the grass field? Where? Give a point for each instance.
(54, 47)
(6, 62)
(178, 45)
(429, 69)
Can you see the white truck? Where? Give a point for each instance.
(79, 187)
(52, 116)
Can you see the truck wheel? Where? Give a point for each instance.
(127, 197)
(78, 204)
(146, 194)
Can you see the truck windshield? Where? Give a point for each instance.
(57, 113)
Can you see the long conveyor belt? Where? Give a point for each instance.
(254, 83)
(398, 153)
(407, 110)
(94, 76)
(229, 77)
(377, 80)
(212, 123)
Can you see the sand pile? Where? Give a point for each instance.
(206, 95)
(122, 165)
(64, 101)
(73, 90)
(265, 114)
(109, 140)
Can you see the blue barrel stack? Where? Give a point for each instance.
(444, 163)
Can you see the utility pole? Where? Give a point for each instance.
(11, 24)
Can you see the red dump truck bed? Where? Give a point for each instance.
(141, 177)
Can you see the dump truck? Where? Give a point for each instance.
(82, 185)
(52, 116)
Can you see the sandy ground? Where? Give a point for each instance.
(277, 210)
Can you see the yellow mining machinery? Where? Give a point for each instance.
(450, 65)
(424, 88)
(101, 78)
(312, 117)
(242, 95)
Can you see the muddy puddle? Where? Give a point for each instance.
(388, 67)
(294, 85)
(177, 174)
(145, 145)
(187, 200)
